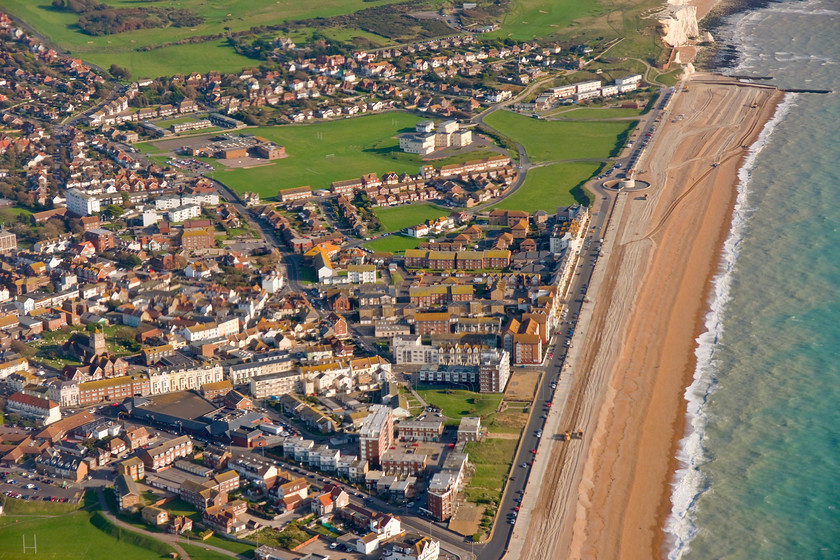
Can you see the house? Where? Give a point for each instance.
(62, 465)
(133, 467)
(127, 493)
(469, 429)
(179, 525)
(163, 455)
(415, 547)
(226, 518)
(43, 411)
(154, 516)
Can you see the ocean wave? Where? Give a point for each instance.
(742, 26)
(689, 483)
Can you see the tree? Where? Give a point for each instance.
(119, 72)
(114, 211)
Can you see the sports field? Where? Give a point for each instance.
(219, 17)
(548, 187)
(399, 217)
(66, 537)
(560, 140)
(321, 153)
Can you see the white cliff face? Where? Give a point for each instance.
(679, 23)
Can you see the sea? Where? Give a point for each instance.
(760, 462)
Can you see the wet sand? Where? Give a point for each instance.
(608, 496)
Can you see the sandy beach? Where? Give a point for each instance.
(608, 496)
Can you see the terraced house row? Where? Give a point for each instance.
(453, 260)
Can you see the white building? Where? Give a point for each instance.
(415, 548)
(42, 410)
(587, 87)
(361, 273)
(13, 366)
(82, 204)
(448, 127)
(413, 352)
(183, 379)
(150, 217)
(202, 199)
(607, 91)
(587, 95)
(461, 138)
(167, 202)
(628, 80)
(425, 127)
(273, 282)
(185, 212)
(423, 143)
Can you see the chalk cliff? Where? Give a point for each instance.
(679, 23)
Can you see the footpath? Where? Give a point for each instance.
(167, 538)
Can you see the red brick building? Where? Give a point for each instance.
(431, 323)
(195, 239)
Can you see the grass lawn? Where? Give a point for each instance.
(492, 459)
(548, 187)
(529, 19)
(233, 546)
(165, 123)
(592, 113)
(456, 403)
(197, 552)
(400, 217)
(556, 140)
(393, 244)
(321, 153)
(60, 27)
(10, 214)
(67, 537)
(669, 78)
(177, 59)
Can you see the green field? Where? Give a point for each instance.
(593, 23)
(400, 217)
(557, 140)
(535, 19)
(68, 537)
(548, 187)
(198, 552)
(321, 153)
(10, 214)
(60, 27)
(590, 114)
(492, 459)
(176, 59)
(456, 403)
(393, 244)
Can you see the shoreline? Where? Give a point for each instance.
(679, 527)
(610, 497)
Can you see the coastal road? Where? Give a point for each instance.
(554, 384)
(496, 547)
